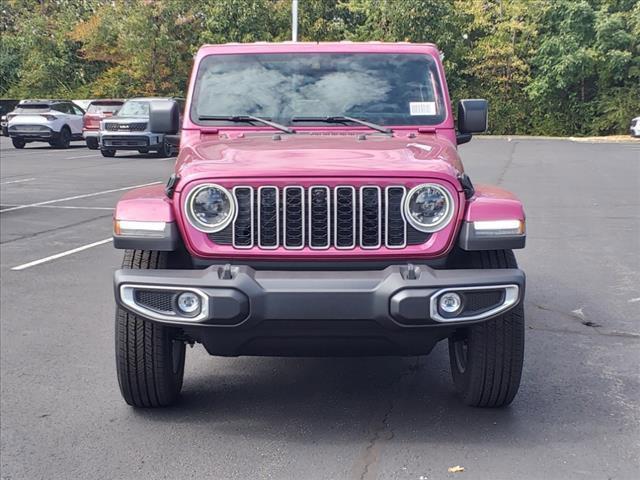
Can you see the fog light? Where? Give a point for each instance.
(450, 302)
(189, 303)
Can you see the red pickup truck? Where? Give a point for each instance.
(319, 206)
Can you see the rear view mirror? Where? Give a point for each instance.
(164, 117)
(472, 115)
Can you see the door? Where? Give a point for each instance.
(75, 119)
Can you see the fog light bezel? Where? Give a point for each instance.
(510, 299)
(127, 298)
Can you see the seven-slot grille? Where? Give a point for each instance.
(319, 217)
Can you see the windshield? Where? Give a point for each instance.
(388, 89)
(134, 108)
(32, 108)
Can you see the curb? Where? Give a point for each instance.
(614, 139)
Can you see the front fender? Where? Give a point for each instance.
(144, 220)
(494, 219)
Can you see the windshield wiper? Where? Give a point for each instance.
(246, 118)
(343, 119)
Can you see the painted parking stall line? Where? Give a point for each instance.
(76, 197)
(17, 181)
(63, 207)
(50, 258)
(84, 156)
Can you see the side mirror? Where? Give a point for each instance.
(164, 117)
(472, 118)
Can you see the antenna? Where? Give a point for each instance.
(294, 20)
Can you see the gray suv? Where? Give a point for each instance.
(129, 129)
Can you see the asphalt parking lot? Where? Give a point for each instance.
(577, 414)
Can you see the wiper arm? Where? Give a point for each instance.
(246, 118)
(343, 119)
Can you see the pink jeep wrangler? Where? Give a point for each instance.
(319, 207)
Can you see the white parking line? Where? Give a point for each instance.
(17, 181)
(60, 255)
(83, 156)
(76, 197)
(73, 207)
(68, 207)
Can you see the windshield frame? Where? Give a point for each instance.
(192, 120)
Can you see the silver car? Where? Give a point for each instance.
(129, 129)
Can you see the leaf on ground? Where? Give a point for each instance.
(456, 469)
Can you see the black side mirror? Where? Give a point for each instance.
(472, 118)
(164, 117)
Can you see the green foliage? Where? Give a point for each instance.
(547, 66)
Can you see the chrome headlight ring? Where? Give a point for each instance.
(442, 221)
(196, 221)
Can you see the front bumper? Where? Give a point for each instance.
(29, 132)
(257, 312)
(89, 133)
(130, 140)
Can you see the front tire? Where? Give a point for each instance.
(108, 152)
(149, 356)
(165, 150)
(92, 143)
(486, 359)
(18, 143)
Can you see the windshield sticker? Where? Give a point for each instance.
(422, 108)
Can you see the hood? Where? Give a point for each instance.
(315, 155)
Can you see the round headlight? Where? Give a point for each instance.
(210, 208)
(428, 207)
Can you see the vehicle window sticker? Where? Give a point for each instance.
(422, 108)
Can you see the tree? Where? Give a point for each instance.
(500, 38)
(547, 66)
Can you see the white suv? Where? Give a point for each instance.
(634, 129)
(55, 121)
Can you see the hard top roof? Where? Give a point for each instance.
(319, 47)
(149, 99)
(100, 101)
(42, 101)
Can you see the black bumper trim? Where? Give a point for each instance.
(128, 142)
(322, 296)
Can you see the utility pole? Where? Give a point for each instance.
(294, 20)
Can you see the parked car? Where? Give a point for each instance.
(83, 104)
(57, 122)
(319, 206)
(6, 106)
(130, 129)
(97, 111)
(634, 129)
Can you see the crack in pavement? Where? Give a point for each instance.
(508, 164)
(613, 333)
(384, 431)
(596, 328)
(62, 227)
